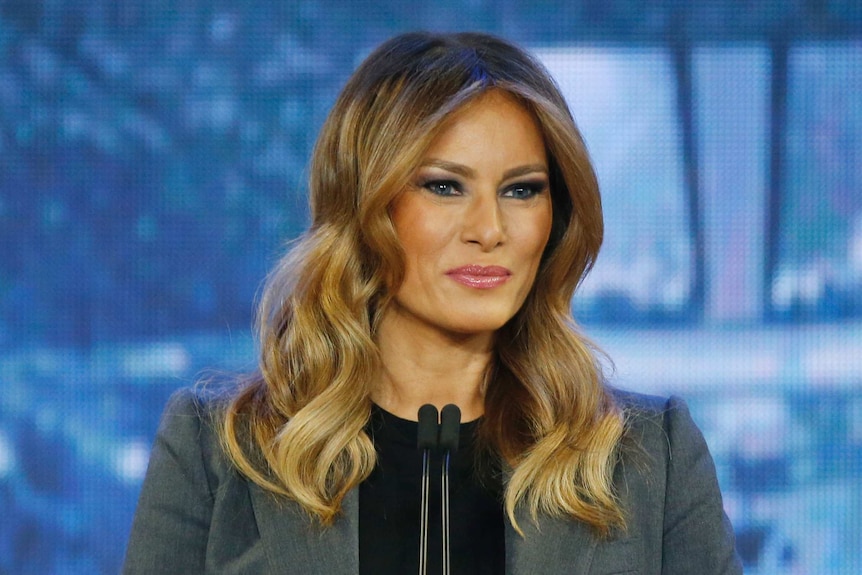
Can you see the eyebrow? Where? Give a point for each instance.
(468, 172)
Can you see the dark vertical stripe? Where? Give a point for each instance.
(777, 128)
(681, 50)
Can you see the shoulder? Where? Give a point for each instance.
(660, 436)
(189, 412)
(643, 405)
(189, 430)
(657, 423)
(660, 440)
(667, 480)
(202, 402)
(191, 495)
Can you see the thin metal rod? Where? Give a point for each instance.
(423, 529)
(445, 513)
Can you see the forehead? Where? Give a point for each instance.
(494, 123)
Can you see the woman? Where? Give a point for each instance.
(454, 211)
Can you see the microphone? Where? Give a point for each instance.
(450, 427)
(426, 440)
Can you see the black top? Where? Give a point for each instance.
(389, 502)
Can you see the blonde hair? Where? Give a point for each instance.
(297, 428)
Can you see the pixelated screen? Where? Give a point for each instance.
(153, 158)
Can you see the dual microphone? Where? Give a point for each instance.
(443, 434)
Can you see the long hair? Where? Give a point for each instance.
(297, 427)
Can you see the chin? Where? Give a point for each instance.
(476, 323)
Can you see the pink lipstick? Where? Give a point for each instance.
(480, 277)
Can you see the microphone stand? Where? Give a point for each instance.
(450, 422)
(426, 440)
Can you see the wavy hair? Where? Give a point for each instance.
(297, 427)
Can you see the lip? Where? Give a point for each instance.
(480, 277)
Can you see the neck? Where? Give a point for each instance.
(422, 365)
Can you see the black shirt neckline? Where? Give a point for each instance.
(389, 499)
(403, 431)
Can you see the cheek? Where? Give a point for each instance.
(534, 233)
(423, 233)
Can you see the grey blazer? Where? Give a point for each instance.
(196, 514)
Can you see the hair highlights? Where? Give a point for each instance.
(297, 428)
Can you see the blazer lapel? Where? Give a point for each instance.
(294, 543)
(554, 547)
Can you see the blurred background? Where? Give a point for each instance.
(153, 163)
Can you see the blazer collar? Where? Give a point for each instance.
(291, 538)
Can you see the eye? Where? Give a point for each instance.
(524, 190)
(442, 187)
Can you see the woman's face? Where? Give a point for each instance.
(474, 221)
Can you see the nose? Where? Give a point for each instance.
(483, 222)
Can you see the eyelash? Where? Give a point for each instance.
(532, 189)
(434, 186)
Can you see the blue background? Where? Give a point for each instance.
(152, 166)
